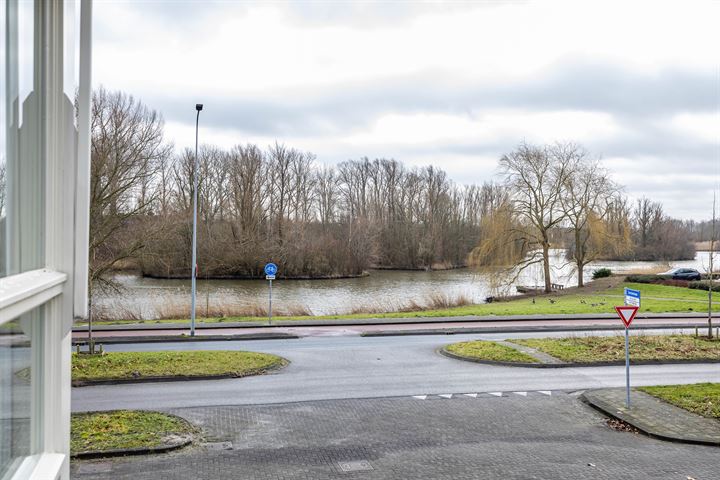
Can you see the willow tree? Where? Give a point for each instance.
(535, 177)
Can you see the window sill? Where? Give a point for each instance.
(22, 292)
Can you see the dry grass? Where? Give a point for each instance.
(705, 246)
(172, 310)
(107, 313)
(439, 301)
(219, 309)
(661, 268)
(435, 301)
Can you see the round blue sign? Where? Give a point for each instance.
(270, 269)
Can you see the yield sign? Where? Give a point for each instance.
(626, 314)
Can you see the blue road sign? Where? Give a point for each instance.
(271, 269)
(632, 297)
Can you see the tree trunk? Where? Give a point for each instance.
(581, 282)
(546, 267)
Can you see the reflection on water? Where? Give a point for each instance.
(382, 289)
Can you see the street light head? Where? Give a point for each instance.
(198, 106)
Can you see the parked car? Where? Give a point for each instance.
(682, 274)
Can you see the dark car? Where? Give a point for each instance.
(682, 274)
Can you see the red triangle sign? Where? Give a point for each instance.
(626, 314)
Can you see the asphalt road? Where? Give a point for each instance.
(350, 367)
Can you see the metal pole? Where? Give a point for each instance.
(627, 368)
(198, 107)
(270, 306)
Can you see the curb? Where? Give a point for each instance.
(131, 451)
(614, 413)
(442, 351)
(445, 353)
(539, 328)
(385, 321)
(178, 378)
(178, 338)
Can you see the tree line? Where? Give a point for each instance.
(560, 195)
(260, 204)
(279, 203)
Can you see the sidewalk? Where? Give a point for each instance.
(440, 326)
(454, 320)
(656, 417)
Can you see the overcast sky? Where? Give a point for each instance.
(450, 84)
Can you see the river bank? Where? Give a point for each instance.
(381, 291)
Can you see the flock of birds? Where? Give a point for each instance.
(551, 300)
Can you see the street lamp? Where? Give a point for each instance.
(198, 108)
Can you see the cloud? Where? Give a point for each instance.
(455, 85)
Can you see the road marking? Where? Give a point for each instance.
(445, 395)
(545, 392)
(496, 394)
(524, 394)
(420, 397)
(474, 395)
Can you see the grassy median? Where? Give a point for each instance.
(124, 429)
(136, 365)
(700, 398)
(485, 350)
(612, 348)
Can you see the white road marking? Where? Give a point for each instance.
(545, 392)
(496, 394)
(420, 397)
(445, 395)
(473, 395)
(524, 394)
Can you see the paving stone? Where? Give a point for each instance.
(515, 437)
(656, 417)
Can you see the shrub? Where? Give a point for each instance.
(703, 286)
(601, 273)
(657, 280)
(643, 278)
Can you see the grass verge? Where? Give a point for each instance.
(656, 299)
(485, 350)
(700, 398)
(124, 429)
(612, 348)
(127, 365)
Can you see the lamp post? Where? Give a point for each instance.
(198, 108)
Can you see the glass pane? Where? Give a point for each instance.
(15, 391)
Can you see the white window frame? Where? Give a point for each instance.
(61, 287)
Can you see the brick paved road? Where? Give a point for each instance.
(509, 437)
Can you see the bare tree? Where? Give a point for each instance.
(586, 193)
(127, 152)
(536, 177)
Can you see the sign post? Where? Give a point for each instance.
(270, 272)
(627, 315)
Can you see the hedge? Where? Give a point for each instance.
(703, 286)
